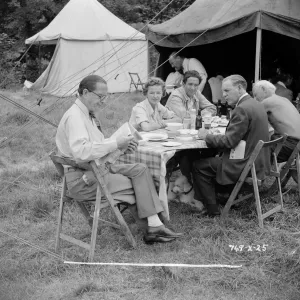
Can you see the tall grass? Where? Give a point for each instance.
(29, 208)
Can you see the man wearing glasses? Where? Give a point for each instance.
(79, 138)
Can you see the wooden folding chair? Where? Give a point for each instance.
(135, 80)
(99, 172)
(289, 170)
(250, 167)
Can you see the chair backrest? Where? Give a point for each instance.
(259, 146)
(271, 144)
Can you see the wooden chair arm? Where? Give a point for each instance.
(59, 161)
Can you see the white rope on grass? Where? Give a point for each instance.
(118, 264)
(153, 265)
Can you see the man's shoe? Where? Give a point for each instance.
(149, 240)
(162, 231)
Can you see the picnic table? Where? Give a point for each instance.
(155, 156)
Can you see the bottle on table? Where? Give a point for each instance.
(199, 120)
(219, 108)
(193, 118)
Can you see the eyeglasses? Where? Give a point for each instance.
(101, 97)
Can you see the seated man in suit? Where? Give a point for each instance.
(188, 97)
(282, 115)
(284, 81)
(183, 64)
(248, 124)
(78, 138)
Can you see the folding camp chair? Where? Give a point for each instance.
(290, 169)
(99, 172)
(135, 80)
(250, 167)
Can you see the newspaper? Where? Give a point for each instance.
(125, 130)
(239, 151)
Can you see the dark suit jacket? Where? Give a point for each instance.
(249, 122)
(283, 92)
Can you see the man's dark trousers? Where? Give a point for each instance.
(204, 178)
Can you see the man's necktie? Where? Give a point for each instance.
(92, 115)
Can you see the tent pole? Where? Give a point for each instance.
(258, 54)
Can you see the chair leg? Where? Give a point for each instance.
(124, 227)
(84, 211)
(95, 224)
(278, 184)
(231, 199)
(257, 197)
(60, 215)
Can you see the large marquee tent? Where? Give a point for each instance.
(233, 36)
(90, 40)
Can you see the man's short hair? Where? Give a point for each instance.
(189, 74)
(284, 77)
(89, 83)
(237, 80)
(267, 85)
(175, 54)
(152, 82)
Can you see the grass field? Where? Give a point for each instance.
(30, 188)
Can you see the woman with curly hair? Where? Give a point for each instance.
(149, 114)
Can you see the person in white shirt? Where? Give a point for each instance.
(282, 115)
(181, 63)
(216, 88)
(78, 138)
(173, 81)
(149, 114)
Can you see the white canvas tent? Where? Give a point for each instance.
(90, 39)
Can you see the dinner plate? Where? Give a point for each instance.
(223, 124)
(171, 144)
(155, 136)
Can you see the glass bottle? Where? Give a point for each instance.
(199, 120)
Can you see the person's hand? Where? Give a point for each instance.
(202, 133)
(132, 146)
(89, 178)
(162, 124)
(123, 142)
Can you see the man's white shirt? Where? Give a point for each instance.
(78, 136)
(193, 64)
